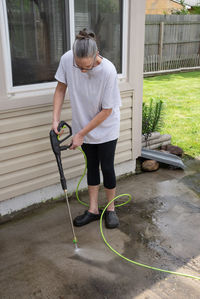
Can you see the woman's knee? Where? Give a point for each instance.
(109, 178)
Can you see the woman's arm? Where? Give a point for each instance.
(58, 100)
(95, 122)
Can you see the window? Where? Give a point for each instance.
(38, 37)
(104, 17)
(40, 31)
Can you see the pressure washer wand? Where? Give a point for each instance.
(71, 221)
(55, 144)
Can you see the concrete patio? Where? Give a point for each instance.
(159, 227)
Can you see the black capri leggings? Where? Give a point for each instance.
(103, 154)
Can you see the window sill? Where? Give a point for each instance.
(26, 90)
(38, 94)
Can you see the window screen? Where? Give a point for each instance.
(39, 35)
(104, 17)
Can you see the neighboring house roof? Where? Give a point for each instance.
(161, 6)
(168, 6)
(189, 2)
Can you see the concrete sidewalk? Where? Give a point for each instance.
(160, 227)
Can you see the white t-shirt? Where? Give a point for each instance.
(89, 93)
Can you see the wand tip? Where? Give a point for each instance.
(75, 243)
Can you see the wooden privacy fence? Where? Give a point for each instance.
(171, 42)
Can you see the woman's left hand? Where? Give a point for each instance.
(76, 141)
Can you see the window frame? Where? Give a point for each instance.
(46, 88)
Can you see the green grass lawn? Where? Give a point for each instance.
(181, 96)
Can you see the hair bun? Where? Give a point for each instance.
(84, 34)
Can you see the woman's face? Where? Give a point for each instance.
(85, 64)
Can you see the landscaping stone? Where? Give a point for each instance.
(172, 149)
(156, 145)
(156, 140)
(154, 135)
(150, 165)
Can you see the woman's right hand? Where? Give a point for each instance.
(55, 127)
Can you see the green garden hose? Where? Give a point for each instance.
(104, 239)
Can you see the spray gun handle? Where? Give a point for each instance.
(63, 125)
(55, 144)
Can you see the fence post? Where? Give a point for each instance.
(160, 43)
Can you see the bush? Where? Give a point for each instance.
(152, 117)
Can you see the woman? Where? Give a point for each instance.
(95, 101)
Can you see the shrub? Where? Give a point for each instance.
(152, 117)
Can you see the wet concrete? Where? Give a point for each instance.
(160, 227)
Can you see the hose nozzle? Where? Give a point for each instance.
(75, 243)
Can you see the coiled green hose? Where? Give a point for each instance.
(102, 234)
